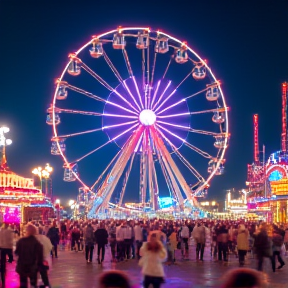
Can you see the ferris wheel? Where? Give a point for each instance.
(147, 110)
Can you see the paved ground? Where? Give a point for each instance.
(70, 270)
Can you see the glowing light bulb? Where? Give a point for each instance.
(147, 117)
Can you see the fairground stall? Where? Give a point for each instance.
(20, 200)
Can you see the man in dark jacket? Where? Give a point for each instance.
(101, 236)
(30, 257)
(53, 235)
(89, 243)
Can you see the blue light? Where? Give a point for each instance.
(165, 202)
(275, 176)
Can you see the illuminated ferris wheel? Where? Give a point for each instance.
(147, 110)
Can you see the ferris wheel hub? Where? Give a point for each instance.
(147, 117)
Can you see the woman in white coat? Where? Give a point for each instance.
(153, 255)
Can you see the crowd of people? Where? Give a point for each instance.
(152, 242)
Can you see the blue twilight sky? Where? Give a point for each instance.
(245, 43)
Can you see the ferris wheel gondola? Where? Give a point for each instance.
(146, 114)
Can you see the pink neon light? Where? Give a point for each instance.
(121, 116)
(117, 93)
(155, 94)
(169, 83)
(171, 106)
(117, 125)
(174, 125)
(125, 132)
(119, 106)
(171, 133)
(139, 141)
(174, 115)
(137, 89)
(166, 99)
(127, 88)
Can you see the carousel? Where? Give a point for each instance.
(20, 200)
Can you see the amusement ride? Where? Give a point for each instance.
(157, 105)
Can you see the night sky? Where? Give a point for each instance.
(245, 42)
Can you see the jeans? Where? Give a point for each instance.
(155, 281)
(260, 257)
(101, 247)
(241, 255)
(44, 276)
(127, 243)
(120, 250)
(89, 252)
(200, 250)
(4, 253)
(278, 254)
(138, 246)
(222, 250)
(24, 280)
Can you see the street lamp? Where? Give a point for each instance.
(43, 173)
(3, 143)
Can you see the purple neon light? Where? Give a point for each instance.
(169, 83)
(117, 93)
(174, 115)
(173, 134)
(121, 107)
(171, 106)
(127, 88)
(121, 134)
(137, 89)
(155, 94)
(166, 99)
(117, 125)
(174, 125)
(121, 116)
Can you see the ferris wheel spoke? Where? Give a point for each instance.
(118, 125)
(71, 111)
(96, 76)
(138, 92)
(207, 132)
(174, 115)
(187, 128)
(167, 68)
(112, 67)
(131, 95)
(171, 106)
(105, 84)
(103, 145)
(224, 109)
(155, 94)
(84, 92)
(161, 96)
(121, 107)
(128, 65)
(194, 148)
(126, 180)
(203, 90)
(119, 116)
(79, 133)
(172, 93)
(182, 158)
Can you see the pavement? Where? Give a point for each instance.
(70, 270)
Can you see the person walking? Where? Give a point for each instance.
(120, 242)
(30, 257)
(47, 247)
(184, 234)
(199, 235)
(75, 239)
(263, 247)
(277, 242)
(127, 240)
(153, 254)
(6, 247)
(53, 235)
(101, 237)
(242, 243)
(138, 238)
(89, 243)
(222, 240)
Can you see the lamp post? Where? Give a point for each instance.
(57, 206)
(44, 173)
(3, 143)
